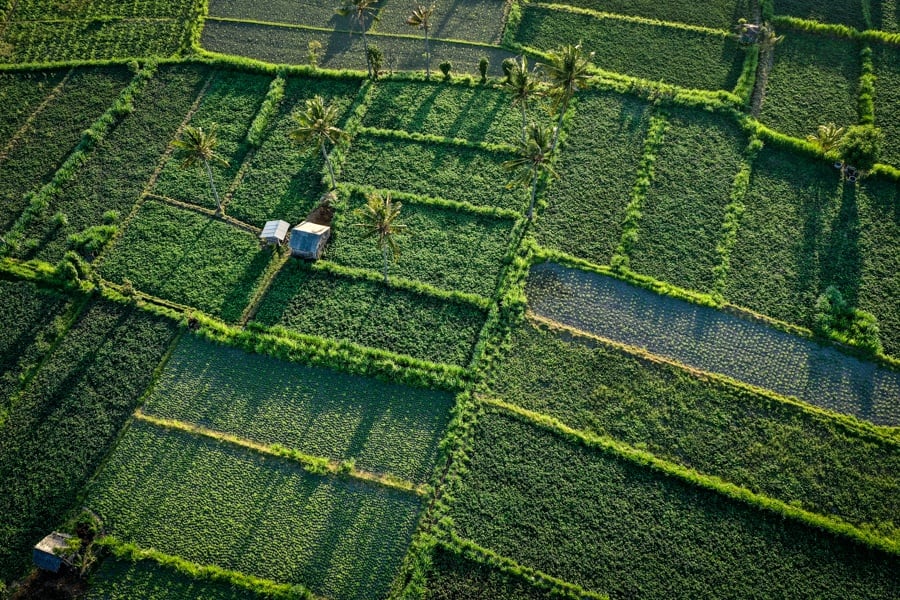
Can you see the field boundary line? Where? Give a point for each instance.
(642, 458)
(279, 259)
(8, 16)
(257, 585)
(315, 465)
(854, 426)
(209, 212)
(100, 19)
(603, 15)
(560, 588)
(435, 202)
(423, 138)
(54, 93)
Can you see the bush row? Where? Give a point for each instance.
(747, 79)
(256, 585)
(123, 106)
(267, 111)
(637, 19)
(836, 30)
(436, 139)
(442, 203)
(866, 98)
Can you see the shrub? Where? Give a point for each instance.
(861, 146)
(445, 68)
(483, 67)
(376, 59)
(835, 318)
(507, 65)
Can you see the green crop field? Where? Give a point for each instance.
(646, 387)
(813, 82)
(744, 437)
(283, 180)
(386, 428)
(717, 342)
(685, 205)
(593, 518)
(368, 313)
(170, 491)
(677, 56)
(177, 254)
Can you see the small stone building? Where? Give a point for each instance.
(308, 240)
(275, 232)
(45, 552)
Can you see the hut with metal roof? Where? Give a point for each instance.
(274, 232)
(47, 554)
(308, 240)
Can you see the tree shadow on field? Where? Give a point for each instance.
(841, 264)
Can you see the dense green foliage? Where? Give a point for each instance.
(717, 342)
(339, 537)
(283, 180)
(848, 12)
(597, 166)
(450, 249)
(886, 15)
(20, 95)
(887, 99)
(719, 14)
(230, 103)
(684, 209)
(100, 38)
(750, 439)
(472, 112)
(368, 313)
(123, 580)
(27, 313)
(682, 57)
(478, 21)
(385, 427)
(596, 519)
(120, 166)
(62, 424)
(813, 81)
(298, 12)
(438, 170)
(53, 134)
(188, 258)
(341, 51)
(35, 10)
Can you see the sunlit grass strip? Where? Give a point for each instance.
(836, 30)
(691, 477)
(480, 210)
(635, 19)
(267, 111)
(857, 427)
(436, 139)
(554, 586)
(316, 465)
(256, 585)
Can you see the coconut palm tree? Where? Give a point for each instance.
(522, 84)
(827, 137)
(420, 18)
(316, 125)
(363, 12)
(532, 162)
(567, 73)
(379, 218)
(196, 146)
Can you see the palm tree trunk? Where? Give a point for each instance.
(384, 255)
(562, 114)
(427, 56)
(212, 184)
(330, 168)
(534, 180)
(524, 123)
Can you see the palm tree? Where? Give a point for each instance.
(316, 125)
(827, 137)
(532, 162)
(420, 18)
(363, 12)
(522, 85)
(379, 218)
(197, 146)
(567, 72)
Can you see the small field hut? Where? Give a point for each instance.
(44, 554)
(274, 232)
(308, 240)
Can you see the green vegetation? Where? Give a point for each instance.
(365, 312)
(593, 516)
(385, 427)
(597, 167)
(813, 81)
(283, 180)
(298, 12)
(825, 11)
(887, 98)
(678, 56)
(715, 341)
(336, 536)
(479, 21)
(120, 165)
(886, 15)
(450, 249)
(35, 10)
(20, 96)
(54, 132)
(189, 258)
(229, 105)
(438, 170)
(29, 330)
(685, 204)
(719, 14)
(745, 437)
(62, 424)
